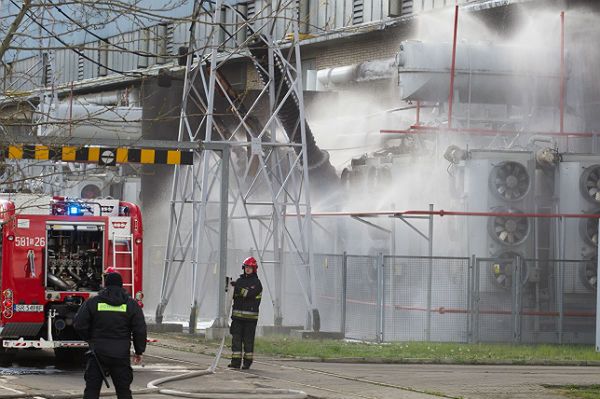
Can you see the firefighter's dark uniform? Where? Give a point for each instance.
(109, 322)
(244, 316)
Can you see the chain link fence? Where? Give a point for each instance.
(533, 301)
(417, 298)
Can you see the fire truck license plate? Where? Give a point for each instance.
(29, 308)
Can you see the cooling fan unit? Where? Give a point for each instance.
(508, 230)
(588, 273)
(503, 269)
(509, 181)
(589, 183)
(588, 229)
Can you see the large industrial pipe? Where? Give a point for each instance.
(485, 73)
(90, 121)
(289, 113)
(364, 72)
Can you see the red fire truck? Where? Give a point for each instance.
(53, 258)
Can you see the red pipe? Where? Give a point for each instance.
(444, 310)
(485, 132)
(503, 214)
(443, 213)
(562, 72)
(452, 68)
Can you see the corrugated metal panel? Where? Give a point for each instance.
(114, 57)
(164, 40)
(143, 47)
(377, 12)
(90, 69)
(130, 59)
(65, 64)
(240, 17)
(102, 59)
(367, 10)
(224, 30)
(338, 13)
(251, 13)
(348, 12)
(24, 75)
(284, 23)
(204, 28)
(55, 62)
(258, 13)
(181, 35)
(149, 43)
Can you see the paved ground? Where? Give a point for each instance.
(34, 374)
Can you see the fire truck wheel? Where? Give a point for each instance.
(7, 356)
(73, 357)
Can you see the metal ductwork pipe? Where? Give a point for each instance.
(289, 113)
(364, 72)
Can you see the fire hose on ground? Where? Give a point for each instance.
(213, 393)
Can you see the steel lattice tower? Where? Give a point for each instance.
(248, 171)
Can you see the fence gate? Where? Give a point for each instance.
(496, 298)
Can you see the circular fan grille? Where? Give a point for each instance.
(508, 230)
(588, 273)
(589, 229)
(502, 270)
(90, 191)
(589, 183)
(509, 181)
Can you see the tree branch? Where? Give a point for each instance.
(13, 28)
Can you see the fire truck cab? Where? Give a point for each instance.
(53, 257)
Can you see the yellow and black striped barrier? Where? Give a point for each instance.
(101, 155)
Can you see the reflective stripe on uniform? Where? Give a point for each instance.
(236, 355)
(259, 296)
(245, 314)
(248, 355)
(105, 307)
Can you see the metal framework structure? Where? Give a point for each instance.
(247, 171)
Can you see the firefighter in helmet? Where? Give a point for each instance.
(247, 294)
(109, 322)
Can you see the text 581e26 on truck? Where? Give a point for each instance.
(53, 257)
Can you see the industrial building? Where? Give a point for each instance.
(464, 141)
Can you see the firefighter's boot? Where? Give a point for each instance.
(247, 361)
(236, 363)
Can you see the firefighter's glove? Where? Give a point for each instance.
(232, 282)
(244, 292)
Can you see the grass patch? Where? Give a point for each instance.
(432, 352)
(578, 391)
(427, 352)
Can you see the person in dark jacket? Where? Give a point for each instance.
(244, 316)
(109, 322)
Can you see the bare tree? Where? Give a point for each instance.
(49, 48)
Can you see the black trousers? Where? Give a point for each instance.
(120, 372)
(243, 332)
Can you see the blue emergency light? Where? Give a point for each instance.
(74, 210)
